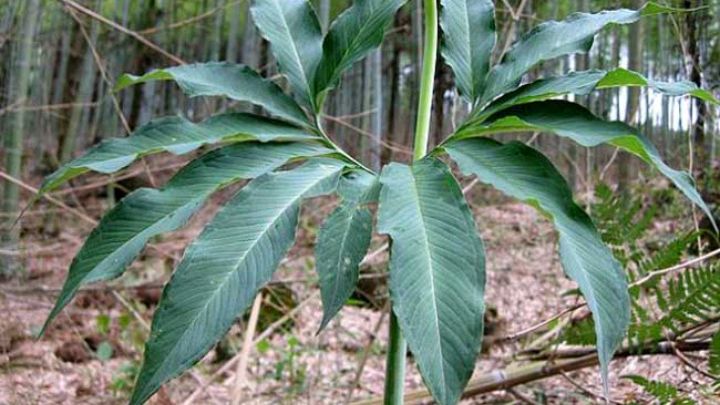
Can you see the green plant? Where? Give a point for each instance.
(289, 366)
(714, 360)
(663, 392)
(437, 270)
(683, 300)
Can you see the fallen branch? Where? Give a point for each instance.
(509, 378)
(366, 354)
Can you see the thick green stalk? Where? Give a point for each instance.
(395, 372)
(422, 125)
(395, 364)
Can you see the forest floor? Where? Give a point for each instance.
(92, 351)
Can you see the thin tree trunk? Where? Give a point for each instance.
(14, 143)
(377, 116)
(697, 131)
(394, 100)
(632, 113)
(231, 52)
(85, 92)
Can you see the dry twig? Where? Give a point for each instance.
(78, 7)
(245, 351)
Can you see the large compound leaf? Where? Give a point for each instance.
(354, 34)
(175, 135)
(574, 121)
(524, 173)
(343, 241)
(553, 39)
(437, 272)
(468, 41)
(293, 30)
(224, 267)
(145, 213)
(237, 82)
(583, 83)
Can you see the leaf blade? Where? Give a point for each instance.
(343, 241)
(574, 121)
(175, 135)
(572, 35)
(524, 173)
(237, 82)
(356, 32)
(223, 269)
(468, 41)
(124, 230)
(583, 83)
(293, 30)
(437, 272)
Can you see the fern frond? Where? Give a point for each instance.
(694, 295)
(714, 359)
(663, 392)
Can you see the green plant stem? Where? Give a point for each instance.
(422, 125)
(395, 364)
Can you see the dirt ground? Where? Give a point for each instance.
(91, 352)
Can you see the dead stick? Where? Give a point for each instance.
(109, 83)
(191, 20)
(72, 4)
(366, 355)
(680, 266)
(69, 209)
(264, 335)
(59, 203)
(245, 352)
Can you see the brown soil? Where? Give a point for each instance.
(525, 283)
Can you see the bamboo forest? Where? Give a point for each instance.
(359, 202)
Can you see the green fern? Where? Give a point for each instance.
(714, 359)
(691, 296)
(663, 392)
(621, 221)
(694, 296)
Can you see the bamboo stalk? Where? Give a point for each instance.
(14, 142)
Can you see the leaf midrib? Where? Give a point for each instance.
(349, 49)
(342, 249)
(293, 46)
(426, 241)
(468, 49)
